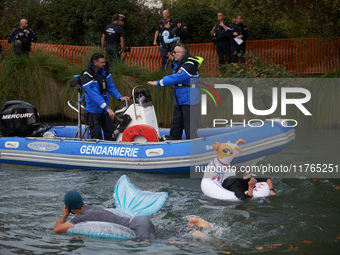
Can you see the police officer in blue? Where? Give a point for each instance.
(167, 40)
(239, 35)
(187, 96)
(222, 40)
(98, 84)
(166, 16)
(22, 38)
(113, 38)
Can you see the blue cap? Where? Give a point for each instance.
(73, 200)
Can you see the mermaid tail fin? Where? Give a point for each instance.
(130, 200)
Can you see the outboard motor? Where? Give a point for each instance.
(18, 118)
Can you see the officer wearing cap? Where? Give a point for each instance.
(73, 201)
(113, 38)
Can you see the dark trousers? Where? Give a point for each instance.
(238, 51)
(113, 52)
(99, 121)
(185, 117)
(164, 54)
(223, 52)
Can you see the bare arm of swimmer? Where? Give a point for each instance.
(61, 225)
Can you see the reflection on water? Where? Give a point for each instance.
(304, 218)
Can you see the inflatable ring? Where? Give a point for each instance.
(130, 201)
(99, 229)
(148, 132)
(213, 189)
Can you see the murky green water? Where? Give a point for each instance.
(303, 219)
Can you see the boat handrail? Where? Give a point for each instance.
(112, 142)
(70, 104)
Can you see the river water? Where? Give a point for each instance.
(303, 219)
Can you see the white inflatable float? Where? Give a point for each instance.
(130, 201)
(218, 170)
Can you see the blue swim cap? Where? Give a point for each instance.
(73, 200)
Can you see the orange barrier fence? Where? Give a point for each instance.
(300, 56)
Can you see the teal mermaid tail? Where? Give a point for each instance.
(131, 201)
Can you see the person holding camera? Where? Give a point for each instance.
(22, 38)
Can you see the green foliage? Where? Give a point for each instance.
(81, 22)
(198, 16)
(324, 104)
(335, 74)
(254, 67)
(38, 80)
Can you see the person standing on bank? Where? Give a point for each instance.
(166, 42)
(142, 226)
(22, 38)
(222, 40)
(238, 42)
(158, 35)
(166, 16)
(113, 39)
(181, 32)
(98, 84)
(187, 97)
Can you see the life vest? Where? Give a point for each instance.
(102, 81)
(166, 45)
(197, 59)
(147, 131)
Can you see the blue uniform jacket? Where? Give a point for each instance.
(185, 72)
(96, 102)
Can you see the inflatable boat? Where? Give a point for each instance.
(138, 143)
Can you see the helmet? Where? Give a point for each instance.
(121, 17)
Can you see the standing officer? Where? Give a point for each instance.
(98, 84)
(22, 38)
(113, 39)
(166, 17)
(222, 40)
(167, 41)
(159, 32)
(239, 35)
(187, 97)
(179, 31)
